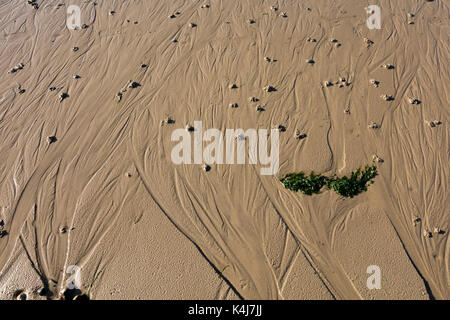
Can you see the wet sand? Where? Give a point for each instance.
(86, 176)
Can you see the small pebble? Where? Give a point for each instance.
(388, 66)
(51, 139)
(376, 158)
(413, 101)
(387, 97)
(373, 125)
(374, 82)
(427, 234)
(269, 89)
(299, 135)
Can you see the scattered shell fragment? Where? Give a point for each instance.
(192, 25)
(133, 84)
(328, 83)
(33, 3)
(84, 26)
(172, 16)
(374, 82)
(190, 128)
(251, 21)
(260, 108)
(63, 96)
(283, 15)
(373, 125)
(388, 66)
(281, 128)
(169, 120)
(233, 86)
(434, 123)
(75, 76)
(51, 139)
(410, 22)
(267, 59)
(269, 89)
(112, 12)
(411, 15)
(174, 40)
(18, 67)
(3, 232)
(118, 97)
(206, 167)
(62, 230)
(253, 99)
(309, 39)
(347, 111)
(310, 61)
(273, 8)
(233, 105)
(299, 135)
(416, 220)
(387, 97)
(413, 101)
(376, 158)
(427, 234)
(75, 49)
(333, 40)
(368, 42)
(205, 6)
(437, 230)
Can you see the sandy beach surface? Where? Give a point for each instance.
(89, 193)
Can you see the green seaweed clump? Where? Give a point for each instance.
(303, 183)
(343, 186)
(357, 183)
